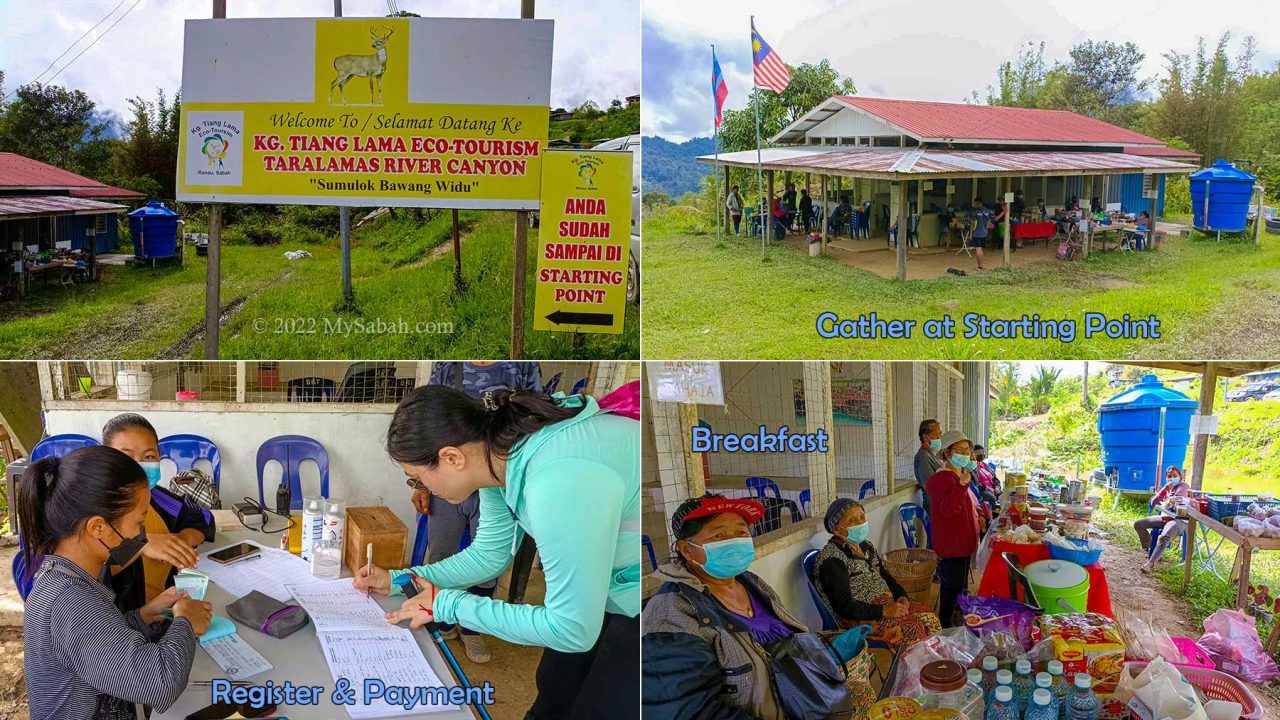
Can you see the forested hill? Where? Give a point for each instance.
(672, 168)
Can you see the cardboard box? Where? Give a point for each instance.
(377, 525)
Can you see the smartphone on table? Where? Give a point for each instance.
(241, 551)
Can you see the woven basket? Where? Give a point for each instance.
(913, 568)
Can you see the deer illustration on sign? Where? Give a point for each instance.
(366, 66)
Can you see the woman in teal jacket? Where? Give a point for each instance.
(567, 474)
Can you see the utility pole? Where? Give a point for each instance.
(344, 226)
(521, 253)
(1084, 398)
(213, 274)
(457, 255)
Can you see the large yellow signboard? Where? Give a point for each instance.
(388, 111)
(583, 241)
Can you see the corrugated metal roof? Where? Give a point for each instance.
(929, 121)
(109, 192)
(1164, 152)
(31, 206)
(899, 162)
(17, 171)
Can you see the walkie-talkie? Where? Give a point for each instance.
(284, 499)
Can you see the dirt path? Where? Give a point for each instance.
(182, 347)
(1131, 590)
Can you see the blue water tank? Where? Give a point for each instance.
(1230, 191)
(1129, 424)
(155, 231)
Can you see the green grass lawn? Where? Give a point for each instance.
(396, 273)
(728, 299)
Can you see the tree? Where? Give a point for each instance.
(1201, 101)
(48, 123)
(151, 149)
(1006, 383)
(810, 86)
(587, 111)
(1040, 388)
(1020, 82)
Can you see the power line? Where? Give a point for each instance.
(77, 42)
(86, 49)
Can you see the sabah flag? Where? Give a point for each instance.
(771, 72)
(719, 90)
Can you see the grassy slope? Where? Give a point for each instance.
(138, 312)
(709, 300)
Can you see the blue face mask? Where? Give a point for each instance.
(935, 445)
(857, 533)
(152, 469)
(728, 558)
(964, 462)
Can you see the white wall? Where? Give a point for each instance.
(782, 570)
(359, 469)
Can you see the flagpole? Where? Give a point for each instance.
(764, 243)
(715, 125)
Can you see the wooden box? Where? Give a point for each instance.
(380, 526)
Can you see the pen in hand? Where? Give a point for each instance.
(368, 570)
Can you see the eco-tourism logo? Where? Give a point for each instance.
(215, 137)
(588, 166)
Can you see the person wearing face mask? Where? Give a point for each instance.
(84, 658)
(927, 461)
(1165, 519)
(175, 525)
(855, 586)
(706, 629)
(564, 472)
(985, 475)
(955, 521)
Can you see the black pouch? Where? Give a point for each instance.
(268, 615)
(807, 679)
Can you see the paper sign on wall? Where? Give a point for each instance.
(1204, 424)
(686, 382)
(584, 238)
(405, 112)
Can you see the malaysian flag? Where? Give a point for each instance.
(719, 90)
(771, 72)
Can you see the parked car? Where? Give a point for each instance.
(1273, 395)
(1252, 391)
(631, 143)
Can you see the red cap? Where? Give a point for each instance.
(710, 504)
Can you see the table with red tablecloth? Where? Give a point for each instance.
(995, 578)
(1033, 231)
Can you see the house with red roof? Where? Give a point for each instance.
(52, 220)
(937, 156)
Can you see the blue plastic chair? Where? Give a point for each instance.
(1155, 536)
(185, 449)
(805, 497)
(868, 488)
(760, 484)
(291, 451)
(550, 386)
(59, 445)
(908, 513)
(420, 541)
(578, 386)
(648, 545)
(21, 580)
(828, 621)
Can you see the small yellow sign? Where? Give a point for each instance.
(584, 240)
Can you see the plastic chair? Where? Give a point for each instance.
(309, 389)
(21, 580)
(648, 545)
(552, 384)
(291, 451)
(578, 386)
(805, 496)
(1155, 536)
(908, 513)
(419, 542)
(913, 230)
(59, 445)
(184, 450)
(868, 488)
(760, 484)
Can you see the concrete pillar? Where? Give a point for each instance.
(679, 469)
(882, 422)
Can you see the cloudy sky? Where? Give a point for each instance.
(915, 49)
(597, 43)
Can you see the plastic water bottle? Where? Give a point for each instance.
(1082, 703)
(1002, 706)
(990, 664)
(326, 554)
(1023, 683)
(1044, 681)
(335, 523)
(974, 678)
(312, 523)
(1061, 688)
(1041, 707)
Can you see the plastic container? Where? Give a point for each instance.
(990, 665)
(1042, 706)
(1196, 656)
(1082, 703)
(133, 385)
(1059, 580)
(1216, 686)
(1023, 683)
(946, 685)
(1002, 706)
(1061, 688)
(895, 708)
(1129, 428)
(186, 395)
(335, 523)
(1221, 196)
(1082, 555)
(312, 523)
